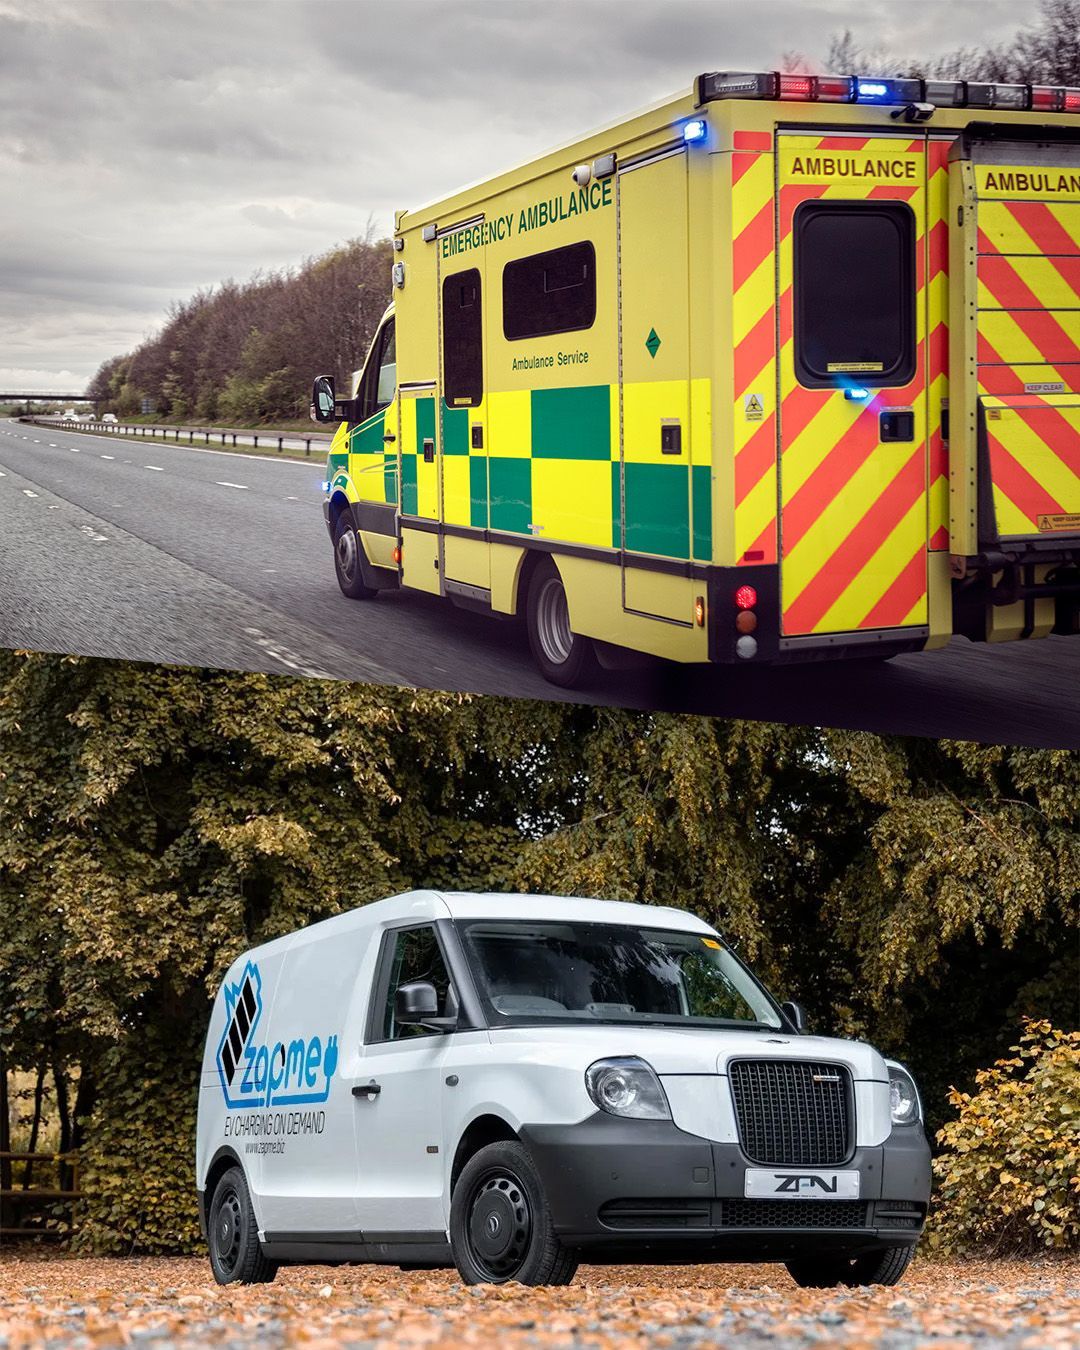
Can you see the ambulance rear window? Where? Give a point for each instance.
(552, 292)
(854, 293)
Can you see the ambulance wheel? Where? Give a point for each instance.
(884, 1267)
(500, 1222)
(565, 658)
(350, 577)
(233, 1235)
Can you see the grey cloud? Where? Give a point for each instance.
(151, 149)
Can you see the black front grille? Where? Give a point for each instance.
(792, 1112)
(793, 1213)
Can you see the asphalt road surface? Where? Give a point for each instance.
(110, 547)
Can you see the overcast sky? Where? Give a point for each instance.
(152, 147)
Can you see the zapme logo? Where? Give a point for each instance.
(254, 1074)
(794, 1183)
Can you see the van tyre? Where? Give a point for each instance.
(233, 1235)
(884, 1267)
(347, 565)
(565, 658)
(500, 1222)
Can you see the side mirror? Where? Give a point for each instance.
(795, 1015)
(323, 400)
(417, 1005)
(414, 1003)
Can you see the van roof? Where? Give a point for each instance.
(427, 905)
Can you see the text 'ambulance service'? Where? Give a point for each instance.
(783, 368)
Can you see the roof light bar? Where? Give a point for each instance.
(944, 93)
(794, 87)
(980, 95)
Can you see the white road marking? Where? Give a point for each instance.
(53, 445)
(156, 467)
(91, 533)
(74, 449)
(28, 493)
(111, 457)
(242, 486)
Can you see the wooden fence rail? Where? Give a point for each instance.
(20, 1193)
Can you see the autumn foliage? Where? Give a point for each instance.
(1009, 1173)
(243, 353)
(156, 822)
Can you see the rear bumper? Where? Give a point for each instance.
(628, 1189)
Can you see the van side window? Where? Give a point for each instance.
(463, 352)
(380, 378)
(416, 956)
(854, 293)
(552, 292)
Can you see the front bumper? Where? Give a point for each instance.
(628, 1189)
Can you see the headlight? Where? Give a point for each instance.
(904, 1105)
(627, 1087)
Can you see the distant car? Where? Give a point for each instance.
(70, 415)
(109, 417)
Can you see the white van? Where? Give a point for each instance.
(515, 1083)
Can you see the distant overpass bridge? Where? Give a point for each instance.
(48, 398)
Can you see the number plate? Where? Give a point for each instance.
(800, 1183)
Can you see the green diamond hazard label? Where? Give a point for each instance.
(652, 342)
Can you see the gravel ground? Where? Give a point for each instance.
(961, 1305)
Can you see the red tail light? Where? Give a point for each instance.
(745, 597)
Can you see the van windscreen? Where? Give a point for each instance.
(593, 972)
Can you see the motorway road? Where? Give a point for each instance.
(116, 548)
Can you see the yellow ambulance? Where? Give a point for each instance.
(786, 367)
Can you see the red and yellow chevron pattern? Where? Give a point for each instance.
(937, 341)
(854, 510)
(753, 263)
(1028, 354)
(1028, 295)
(1034, 449)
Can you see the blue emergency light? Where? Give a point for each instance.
(694, 130)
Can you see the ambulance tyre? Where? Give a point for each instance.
(233, 1235)
(884, 1267)
(350, 575)
(500, 1222)
(565, 658)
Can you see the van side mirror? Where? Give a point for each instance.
(417, 1005)
(413, 1003)
(323, 400)
(795, 1015)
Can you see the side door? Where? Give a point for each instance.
(656, 483)
(373, 464)
(463, 457)
(852, 401)
(399, 1128)
(304, 1063)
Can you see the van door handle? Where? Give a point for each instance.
(389, 437)
(368, 1090)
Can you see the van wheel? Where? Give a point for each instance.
(350, 576)
(884, 1267)
(235, 1254)
(565, 658)
(500, 1223)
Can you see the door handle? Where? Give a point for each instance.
(389, 437)
(367, 1090)
(429, 451)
